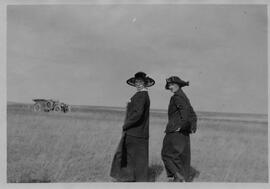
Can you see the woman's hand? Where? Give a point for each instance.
(123, 133)
(193, 127)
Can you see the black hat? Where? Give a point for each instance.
(177, 80)
(141, 75)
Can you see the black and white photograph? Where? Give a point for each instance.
(136, 92)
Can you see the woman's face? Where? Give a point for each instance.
(173, 87)
(139, 84)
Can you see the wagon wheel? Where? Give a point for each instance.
(57, 108)
(49, 105)
(37, 107)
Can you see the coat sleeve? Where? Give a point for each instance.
(136, 112)
(182, 107)
(193, 115)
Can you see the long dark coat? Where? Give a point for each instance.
(176, 144)
(180, 113)
(130, 162)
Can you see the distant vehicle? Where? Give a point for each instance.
(48, 105)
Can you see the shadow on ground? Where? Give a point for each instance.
(194, 173)
(154, 171)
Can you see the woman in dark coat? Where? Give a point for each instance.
(130, 162)
(181, 122)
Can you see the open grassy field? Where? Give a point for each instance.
(79, 146)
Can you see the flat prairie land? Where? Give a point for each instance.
(78, 146)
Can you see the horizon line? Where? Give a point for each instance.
(155, 109)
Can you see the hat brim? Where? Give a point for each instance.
(179, 84)
(149, 82)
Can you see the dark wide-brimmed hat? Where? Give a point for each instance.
(141, 75)
(177, 80)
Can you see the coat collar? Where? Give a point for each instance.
(144, 89)
(180, 92)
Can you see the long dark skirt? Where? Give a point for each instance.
(131, 164)
(176, 154)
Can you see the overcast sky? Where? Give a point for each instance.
(83, 54)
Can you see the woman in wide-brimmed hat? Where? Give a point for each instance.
(130, 162)
(182, 121)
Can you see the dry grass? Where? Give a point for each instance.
(79, 146)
